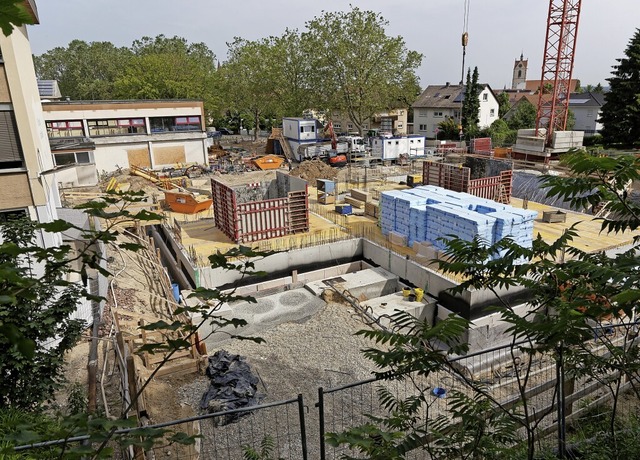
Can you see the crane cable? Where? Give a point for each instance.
(465, 41)
(465, 35)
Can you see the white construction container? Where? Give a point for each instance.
(390, 148)
(301, 129)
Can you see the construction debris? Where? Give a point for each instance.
(312, 170)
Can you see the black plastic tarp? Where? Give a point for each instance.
(233, 385)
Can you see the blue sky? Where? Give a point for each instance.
(499, 30)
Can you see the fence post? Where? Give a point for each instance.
(561, 402)
(320, 406)
(303, 428)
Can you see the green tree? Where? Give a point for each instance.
(35, 319)
(448, 129)
(293, 70)
(621, 112)
(356, 68)
(500, 133)
(13, 13)
(471, 104)
(34, 310)
(251, 81)
(571, 294)
(524, 116)
(170, 68)
(505, 104)
(84, 71)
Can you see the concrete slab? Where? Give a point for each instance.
(386, 306)
(268, 311)
(364, 285)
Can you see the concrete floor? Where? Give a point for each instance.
(202, 236)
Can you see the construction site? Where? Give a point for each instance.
(348, 247)
(353, 245)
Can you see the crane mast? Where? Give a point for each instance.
(557, 66)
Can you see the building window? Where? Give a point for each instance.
(71, 158)
(337, 126)
(399, 125)
(437, 114)
(116, 127)
(9, 216)
(519, 73)
(365, 126)
(10, 147)
(492, 112)
(590, 113)
(64, 129)
(485, 97)
(166, 124)
(422, 127)
(456, 114)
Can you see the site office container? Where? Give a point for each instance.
(301, 129)
(390, 148)
(261, 210)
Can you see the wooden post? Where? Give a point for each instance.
(131, 377)
(569, 386)
(143, 334)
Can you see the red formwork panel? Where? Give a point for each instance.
(481, 146)
(225, 209)
(457, 178)
(260, 220)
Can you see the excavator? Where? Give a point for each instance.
(334, 158)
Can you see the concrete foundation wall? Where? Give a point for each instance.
(406, 269)
(286, 261)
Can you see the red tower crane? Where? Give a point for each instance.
(557, 66)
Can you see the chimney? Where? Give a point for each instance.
(448, 83)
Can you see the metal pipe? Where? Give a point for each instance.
(320, 406)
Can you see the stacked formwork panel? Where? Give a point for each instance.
(259, 211)
(458, 179)
(430, 213)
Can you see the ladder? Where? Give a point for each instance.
(277, 134)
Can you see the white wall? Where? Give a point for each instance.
(109, 156)
(426, 116)
(302, 130)
(586, 119)
(486, 115)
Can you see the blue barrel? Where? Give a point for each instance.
(176, 292)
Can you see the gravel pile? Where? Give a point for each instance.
(297, 357)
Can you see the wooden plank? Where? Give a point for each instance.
(188, 367)
(169, 155)
(360, 195)
(139, 157)
(158, 358)
(354, 202)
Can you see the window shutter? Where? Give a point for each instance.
(10, 148)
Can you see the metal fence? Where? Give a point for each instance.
(544, 390)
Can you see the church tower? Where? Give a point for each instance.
(519, 73)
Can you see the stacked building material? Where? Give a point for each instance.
(430, 213)
(388, 210)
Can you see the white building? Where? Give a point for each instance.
(28, 176)
(102, 136)
(437, 103)
(28, 183)
(587, 108)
